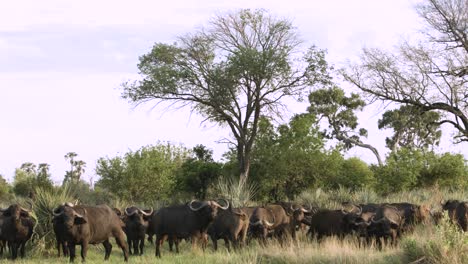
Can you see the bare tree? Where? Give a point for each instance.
(431, 75)
(240, 67)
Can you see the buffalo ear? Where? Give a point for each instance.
(79, 220)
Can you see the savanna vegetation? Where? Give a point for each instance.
(239, 72)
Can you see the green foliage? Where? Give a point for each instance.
(4, 188)
(77, 168)
(239, 67)
(43, 204)
(355, 174)
(413, 128)
(198, 173)
(407, 169)
(448, 170)
(401, 171)
(284, 158)
(27, 178)
(445, 245)
(238, 193)
(145, 175)
(339, 111)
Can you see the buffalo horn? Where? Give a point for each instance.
(68, 204)
(57, 211)
(222, 207)
(268, 223)
(376, 222)
(145, 213)
(259, 222)
(196, 209)
(360, 210)
(79, 215)
(130, 214)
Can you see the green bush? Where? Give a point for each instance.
(44, 203)
(446, 244)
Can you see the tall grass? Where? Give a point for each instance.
(428, 244)
(444, 243)
(239, 193)
(43, 205)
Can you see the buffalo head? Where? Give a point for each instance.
(209, 208)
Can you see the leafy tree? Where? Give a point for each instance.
(77, 168)
(238, 68)
(4, 188)
(339, 111)
(198, 173)
(284, 158)
(412, 128)
(27, 178)
(145, 175)
(447, 170)
(401, 171)
(431, 75)
(354, 174)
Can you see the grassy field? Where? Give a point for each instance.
(428, 244)
(330, 251)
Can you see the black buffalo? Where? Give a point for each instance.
(84, 225)
(327, 222)
(136, 225)
(59, 230)
(458, 213)
(184, 221)
(387, 223)
(17, 228)
(230, 225)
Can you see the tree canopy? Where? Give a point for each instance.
(239, 67)
(431, 75)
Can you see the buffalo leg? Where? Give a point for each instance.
(108, 249)
(135, 246)
(22, 249)
(226, 243)
(159, 241)
(65, 248)
(129, 243)
(142, 245)
(84, 250)
(59, 244)
(71, 251)
(14, 250)
(119, 239)
(215, 243)
(170, 241)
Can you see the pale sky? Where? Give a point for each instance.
(62, 63)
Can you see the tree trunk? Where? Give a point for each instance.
(243, 157)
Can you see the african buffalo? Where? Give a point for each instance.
(184, 221)
(458, 213)
(84, 225)
(136, 225)
(274, 219)
(413, 214)
(59, 230)
(451, 207)
(462, 215)
(17, 228)
(230, 225)
(386, 223)
(327, 222)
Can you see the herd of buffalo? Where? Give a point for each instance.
(197, 221)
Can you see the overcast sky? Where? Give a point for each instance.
(62, 63)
